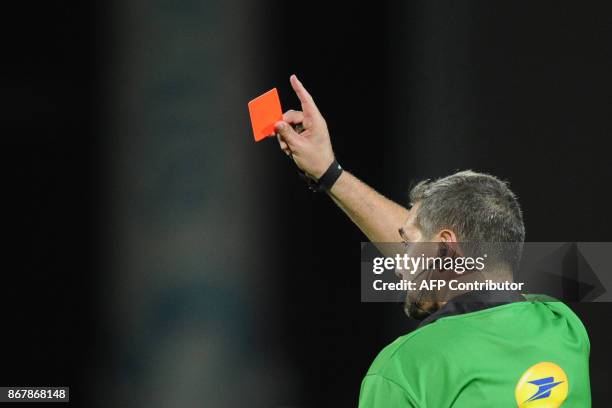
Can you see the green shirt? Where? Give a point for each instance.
(488, 358)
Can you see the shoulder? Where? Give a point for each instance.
(448, 336)
(560, 310)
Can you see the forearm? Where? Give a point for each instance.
(376, 216)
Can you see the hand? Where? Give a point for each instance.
(311, 149)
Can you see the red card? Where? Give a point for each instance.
(265, 111)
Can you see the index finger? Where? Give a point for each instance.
(308, 105)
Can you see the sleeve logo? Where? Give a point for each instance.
(543, 385)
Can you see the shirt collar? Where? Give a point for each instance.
(473, 302)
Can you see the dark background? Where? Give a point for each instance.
(520, 90)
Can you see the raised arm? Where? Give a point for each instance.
(378, 217)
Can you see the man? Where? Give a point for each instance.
(484, 349)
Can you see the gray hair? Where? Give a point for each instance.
(478, 207)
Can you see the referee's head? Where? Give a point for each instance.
(466, 207)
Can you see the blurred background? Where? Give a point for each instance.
(156, 256)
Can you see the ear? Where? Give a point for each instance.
(446, 235)
(448, 239)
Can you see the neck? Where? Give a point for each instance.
(492, 274)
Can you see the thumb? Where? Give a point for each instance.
(286, 133)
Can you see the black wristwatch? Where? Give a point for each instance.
(326, 181)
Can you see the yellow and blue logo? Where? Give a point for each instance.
(543, 385)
